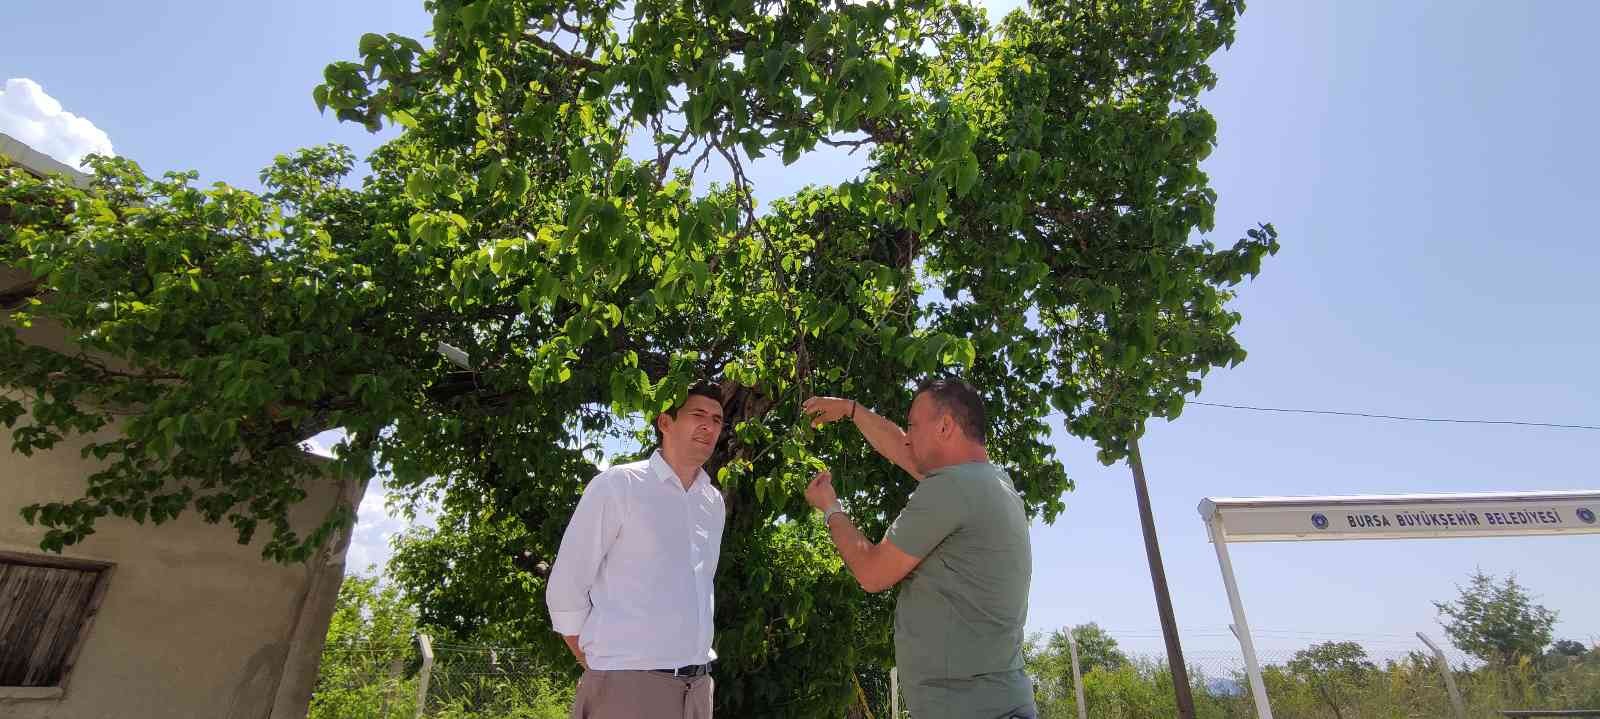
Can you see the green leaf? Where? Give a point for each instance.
(773, 63)
(371, 43)
(420, 185)
(490, 179)
(932, 350)
(578, 159)
(473, 14)
(405, 119)
(967, 176)
(837, 318)
(964, 352)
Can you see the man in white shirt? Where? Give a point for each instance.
(631, 587)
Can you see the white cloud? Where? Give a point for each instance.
(376, 524)
(376, 527)
(36, 119)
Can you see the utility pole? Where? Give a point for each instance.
(1158, 577)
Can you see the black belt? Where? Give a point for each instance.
(693, 670)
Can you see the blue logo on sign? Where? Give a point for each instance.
(1319, 521)
(1586, 514)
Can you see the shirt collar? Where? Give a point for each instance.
(658, 464)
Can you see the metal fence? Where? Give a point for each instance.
(457, 681)
(433, 680)
(477, 681)
(1332, 679)
(367, 680)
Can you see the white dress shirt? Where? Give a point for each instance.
(633, 577)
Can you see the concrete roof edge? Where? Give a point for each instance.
(37, 162)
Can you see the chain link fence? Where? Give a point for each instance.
(1333, 680)
(367, 680)
(424, 679)
(475, 681)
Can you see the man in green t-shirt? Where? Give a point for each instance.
(960, 548)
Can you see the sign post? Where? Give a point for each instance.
(1381, 516)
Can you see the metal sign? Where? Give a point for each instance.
(1379, 516)
(1413, 516)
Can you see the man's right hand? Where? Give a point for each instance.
(886, 437)
(572, 643)
(828, 409)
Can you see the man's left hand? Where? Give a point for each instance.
(819, 493)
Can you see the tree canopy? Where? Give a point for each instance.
(1032, 215)
(1333, 669)
(1498, 623)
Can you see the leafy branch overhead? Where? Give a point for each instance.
(1032, 214)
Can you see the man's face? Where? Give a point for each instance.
(923, 424)
(692, 435)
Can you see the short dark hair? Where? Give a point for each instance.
(700, 388)
(963, 403)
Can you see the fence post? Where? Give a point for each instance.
(894, 692)
(425, 644)
(1449, 679)
(1077, 676)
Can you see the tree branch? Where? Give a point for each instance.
(14, 297)
(565, 57)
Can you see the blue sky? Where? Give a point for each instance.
(1426, 164)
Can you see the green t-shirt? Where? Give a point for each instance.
(958, 625)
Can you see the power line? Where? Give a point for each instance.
(1371, 415)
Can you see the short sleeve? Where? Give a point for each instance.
(935, 511)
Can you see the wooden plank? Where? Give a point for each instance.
(7, 603)
(78, 601)
(13, 594)
(41, 624)
(64, 609)
(20, 629)
(36, 560)
(91, 611)
(10, 604)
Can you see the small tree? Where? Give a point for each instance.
(1496, 623)
(1049, 662)
(1568, 648)
(1096, 648)
(1334, 670)
(1565, 653)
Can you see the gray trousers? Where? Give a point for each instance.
(642, 695)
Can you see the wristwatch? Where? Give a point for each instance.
(835, 508)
